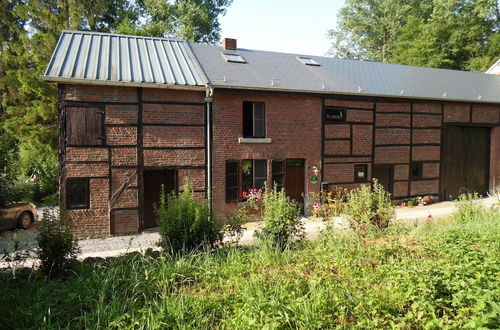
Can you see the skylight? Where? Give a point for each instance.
(234, 58)
(308, 61)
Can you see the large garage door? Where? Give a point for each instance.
(465, 161)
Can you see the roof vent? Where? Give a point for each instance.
(229, 43)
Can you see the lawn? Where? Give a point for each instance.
(441, 274)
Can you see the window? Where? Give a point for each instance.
(308, 61)
(233, 58)
(334, 115)
(254, 120)
(360, 172)
(77, 194)
(278, 172)
(253, 175)
(416, 170)
(84, 126)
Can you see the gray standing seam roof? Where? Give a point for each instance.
(97, 58)
(282, 71)
(113, 58)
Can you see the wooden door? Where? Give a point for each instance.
(294, 179)
(153, 181)
(384, 174)
(465, 161)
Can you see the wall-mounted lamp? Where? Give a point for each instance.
(315, 170)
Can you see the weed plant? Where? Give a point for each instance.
(443, 274)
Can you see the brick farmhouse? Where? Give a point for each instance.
(138, 113)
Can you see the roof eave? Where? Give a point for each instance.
(329, 92)
(62, 80)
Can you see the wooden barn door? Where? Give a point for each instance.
(465, 161)
(153, 180)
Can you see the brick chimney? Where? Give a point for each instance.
(229, 43)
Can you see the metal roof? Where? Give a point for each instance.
(106, 58)
(281, 71)
(91, 57)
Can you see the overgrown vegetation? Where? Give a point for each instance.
(281, 217)
(369, 206)
(443, 274)
(57, 246)
(187, 223)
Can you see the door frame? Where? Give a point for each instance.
(441, 154)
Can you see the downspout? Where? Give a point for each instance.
(209, 100)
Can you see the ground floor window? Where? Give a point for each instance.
(241, 176)
(77, 193)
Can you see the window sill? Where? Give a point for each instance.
(254, 140)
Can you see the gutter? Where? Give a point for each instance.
(75, 81)
(209, 98)
(357, 94)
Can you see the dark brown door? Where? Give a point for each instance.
(294, 179)
(465, 161)
(153, 181)
(384, 174)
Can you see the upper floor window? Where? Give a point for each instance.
(84, 126)
(254, 120)
(334, 114)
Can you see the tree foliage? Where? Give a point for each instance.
(455, 34)
(29, 30)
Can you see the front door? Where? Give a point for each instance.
(384, 175)
(153, 181)
(465, 161)
(294, 179)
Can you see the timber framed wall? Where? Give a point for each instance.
(398, 133)
(143, 129)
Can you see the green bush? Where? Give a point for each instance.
(281, 216)
(369, 207)
(57, 246)
(186, 223)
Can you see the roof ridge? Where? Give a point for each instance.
(123, 35)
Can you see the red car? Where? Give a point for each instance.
(17, 215)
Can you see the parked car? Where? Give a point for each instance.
(17, 215)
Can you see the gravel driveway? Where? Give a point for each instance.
(113, 246)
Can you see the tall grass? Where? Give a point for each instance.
(442, 274)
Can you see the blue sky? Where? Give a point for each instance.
(290, 26)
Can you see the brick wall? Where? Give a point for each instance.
(121, 151)
(292, 122)
(174, 137)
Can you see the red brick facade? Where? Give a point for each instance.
(165, 129)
